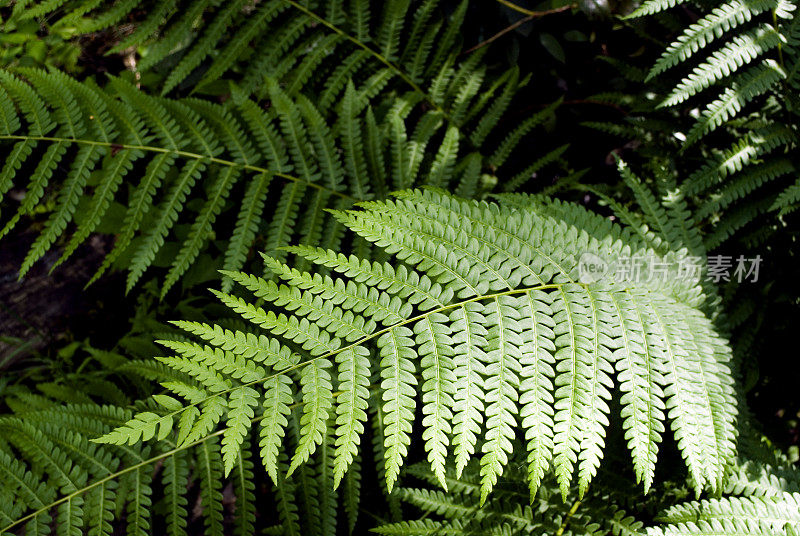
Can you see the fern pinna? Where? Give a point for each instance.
(484, 322)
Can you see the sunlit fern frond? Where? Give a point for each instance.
(484, 322)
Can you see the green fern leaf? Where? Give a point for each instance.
(277, 399)
(352, 493)
(143, 427)
(489, 300)
(204, 46)
(176, 479)
(245, 496)
(247, 222)
(285, 492)
(741, 50)
(316, 388)
(210, 473)
(201, 228)
(743, 89)
(240, 414)
(353, 366)
(700, 34)
(167, 216)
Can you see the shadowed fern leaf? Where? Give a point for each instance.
(172, 151)
(342, 147)
(743, 57)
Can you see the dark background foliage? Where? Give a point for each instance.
(51, 329)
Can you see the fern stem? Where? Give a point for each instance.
(380, 57)
(780, 47)
(375, 334)
(567, 517)
(532, 13)
(531, 16)
(184, 154)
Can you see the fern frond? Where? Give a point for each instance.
(316, 389)
(505, 274)
(518, 180)
(237, 46)
(400, 48)
(247, 223)
(743, 89)
(205, 44)
(746, 182)
(741, 215)
(460, 513)
(352, 493)
(513, 138)
(285, 492)
(167, 216)
(202, 227)
(351, 407)
(113, 173)
(327, 492)
(140, 204)
(352, 142)
(741, 50)
(651, 7)
(210, 474)
(733, 515)
(116, 132)
(735, 158)
(441, 171)
(697, 36)
(655, 213)
(66, 202)
(787, 200)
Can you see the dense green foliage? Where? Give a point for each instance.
(431, 311)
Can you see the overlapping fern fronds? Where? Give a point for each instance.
(398, 47)
(459, 511)
(49, 465)
(232, 155)
(316, 46)
(601, 511)
(109, 138)
(54, 477)
(484, 323)
(759, 497)
(743, 61)
(779, 514)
